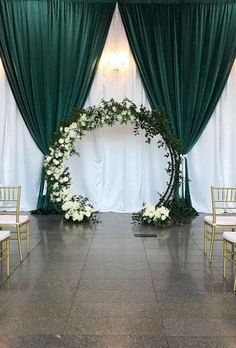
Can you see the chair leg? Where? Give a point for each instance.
(224, 258)
(8, 256)
(205, 239)
(19, 242)
(28, 237)
(212, 244)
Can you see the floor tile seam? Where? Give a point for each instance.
(21, 263)
(76, 289)
(156, 296)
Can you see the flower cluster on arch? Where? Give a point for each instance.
(76, 207)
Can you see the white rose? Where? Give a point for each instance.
(66, 206)
(128, 104)
(66, 129)
(87, 213)
(72, 134)
(83, 117)
(73, 125)
(80, 217)
(61, 141)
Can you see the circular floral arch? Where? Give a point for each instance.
(78, 208)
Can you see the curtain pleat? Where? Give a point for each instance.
(184, 51)
(50, 51)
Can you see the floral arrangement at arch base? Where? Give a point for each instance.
(78, 208)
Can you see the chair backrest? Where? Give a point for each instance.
(10, 200)
(223, 201)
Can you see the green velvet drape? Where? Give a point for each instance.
(50, 50)
(184, 51)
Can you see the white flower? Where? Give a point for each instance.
(72, 134)
(83, 117)
(65, 179)
(49, 172)
(61, 141)
(163, 217)
(73, 125)
(87, 213)
(114, 108)
(128, 104)
(80, 217)
(67, 205)
(157, 214)
(66, 129)
(56, 162)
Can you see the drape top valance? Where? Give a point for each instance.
(177, 2)
(69, 1)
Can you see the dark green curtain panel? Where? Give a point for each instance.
(184, 51)
(50, 51)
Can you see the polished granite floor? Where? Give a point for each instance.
(100, 286)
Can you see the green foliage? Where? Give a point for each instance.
(77, 208)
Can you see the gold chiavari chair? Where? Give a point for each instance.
(5, 249)
(10, 217)
(223, 216)
(229, 255)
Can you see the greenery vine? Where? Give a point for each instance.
(78, 208)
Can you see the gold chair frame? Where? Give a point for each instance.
(10, 217)
(229, 256)
(5, 252)
(223, 217)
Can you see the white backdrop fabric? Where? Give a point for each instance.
(117, 170)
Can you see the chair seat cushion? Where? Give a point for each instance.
(221, 220)
(4, 235)
(11, 219)
(230, 236)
